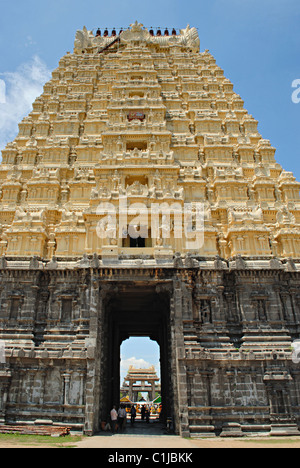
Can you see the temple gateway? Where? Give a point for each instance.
(139, 199)
(141, 381)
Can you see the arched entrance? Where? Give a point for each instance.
(136, 311)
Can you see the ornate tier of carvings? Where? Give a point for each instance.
(150, 119)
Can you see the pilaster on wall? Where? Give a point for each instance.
(178, 350)
(5, 377)
(93, 343)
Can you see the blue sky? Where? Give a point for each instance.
(140, 352)
(256, 42)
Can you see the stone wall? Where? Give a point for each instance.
(230, 346)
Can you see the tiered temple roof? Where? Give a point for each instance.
(149, 118)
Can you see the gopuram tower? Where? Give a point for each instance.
(139, 199)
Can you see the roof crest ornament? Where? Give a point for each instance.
(188, 37)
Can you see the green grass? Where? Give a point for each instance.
(271, 440)
(56, 442)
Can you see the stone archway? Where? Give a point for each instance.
(136, 311)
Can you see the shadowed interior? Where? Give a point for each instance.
(137, 312)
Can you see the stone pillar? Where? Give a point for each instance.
(180, 375)
(153, 390)
(21, 397)
(67, 378)
(130, 392)
(190, 387)
(4, 387)
(81, 376)
(92, 387)
(287, 401)
(27, 317)
(271, 398)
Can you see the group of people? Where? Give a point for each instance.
(118, 418)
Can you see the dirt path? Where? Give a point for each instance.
(178, 443)
(159, 442)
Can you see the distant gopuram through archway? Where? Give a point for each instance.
(141, 381)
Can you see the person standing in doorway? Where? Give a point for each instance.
(147, 415)
(113, 418)
(133, 414)
(143, 412)
(121, 417)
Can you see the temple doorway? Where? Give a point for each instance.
(133, 312)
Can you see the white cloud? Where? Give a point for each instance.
(29, 41)
(22, 87)
(133, 361)
(2, 92)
